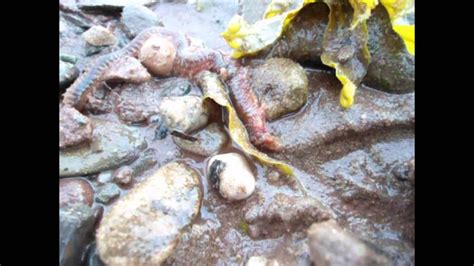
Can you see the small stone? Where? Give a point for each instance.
(75, 191)
(107, 193)
(68, 58)
(331, 245)
(74, 128)
(185, 114)
(104, 177)
(231, 174)
(281, 86)
(76, 225)
(92, 50)
(209, 141)
(136, 18)
(157, 55)
(274, 175)
(127, 69)
(143, 227)
(99, 36)
(175, 86)
(67, 74)
(123, 175)
(113, 144)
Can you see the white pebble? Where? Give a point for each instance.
(184, 113)
(232, 174)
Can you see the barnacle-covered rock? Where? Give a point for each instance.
(281, 86)
(143, 227)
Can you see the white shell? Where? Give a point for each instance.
(236, 181)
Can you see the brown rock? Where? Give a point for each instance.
(74, 128)
(75, 191)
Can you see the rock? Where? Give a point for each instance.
(143, 227)
(405, 171)
(209, 141)
(113, 144)
(330, 245)
(284, 214)
(281, 86)
(92, 50)
(110, 6)
(107, 193)
(101, 101)
(104, 177)
(157, 55)
(127, 69)
(175, 86)
(76, 225)
(75, 191)
(78, 20)
(147, 160)
(67, 74)
(231, 174)
(138, 102)
(99, 36)
(68, 58)
(130, 112)
(123, 175)
(392, 68)
(261, 261)
(92, 256)
(137, 18)
(186, 113)
(74, 128)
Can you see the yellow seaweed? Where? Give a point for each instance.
(402, 14)
(213, 89)
(246, 40)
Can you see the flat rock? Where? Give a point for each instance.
(209, 141)
(108, 6)
(137, 18)
(76, 226)
(143, 227)
(113, 144)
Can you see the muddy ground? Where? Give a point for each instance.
(349, 160)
